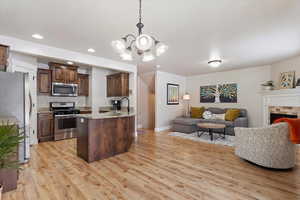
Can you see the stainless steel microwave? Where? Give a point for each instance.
(64, 90)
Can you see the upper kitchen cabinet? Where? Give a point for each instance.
(118, 85)
(44, 81)
(83, 84)
(4, 52)
(62, 73)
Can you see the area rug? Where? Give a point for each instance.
(228, 141)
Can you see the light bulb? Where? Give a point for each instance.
(144, 42)
(161, 49)
(126, 55)
(119, 45)
(148, 56)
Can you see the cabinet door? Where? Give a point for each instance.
(83, 84)
(124, 81)
(121, 135)
(58, 74)
(45, 127)
(71, 76)
(44, 81)
(118, 85)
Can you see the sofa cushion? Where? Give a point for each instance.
(186, 121)
(232, 114)
(217, 121)
(197, 112)
(216, 110)
(243, 112)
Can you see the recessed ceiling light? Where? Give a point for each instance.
(157, 66)
(91, 50)
(70, 63)
(215, 63)
(37, 36)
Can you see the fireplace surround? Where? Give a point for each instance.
(281, 102)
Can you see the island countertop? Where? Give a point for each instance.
(106, 115)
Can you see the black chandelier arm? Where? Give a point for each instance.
(155, 40)
(131, 44)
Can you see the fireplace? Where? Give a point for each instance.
(275, 116)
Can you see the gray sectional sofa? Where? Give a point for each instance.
(189, 125)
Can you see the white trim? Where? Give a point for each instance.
(37, 49)
(162, 128)
(290, 98)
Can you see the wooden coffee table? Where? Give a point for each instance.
(211, 127)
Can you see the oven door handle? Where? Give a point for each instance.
(65, 116)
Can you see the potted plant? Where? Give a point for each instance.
(9, 165)
(269, 85)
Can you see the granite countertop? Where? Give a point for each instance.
(44, 110)
(8, 120)
(107, 115)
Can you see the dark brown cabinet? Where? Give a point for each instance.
(102, 138)
(45, 127)
(83, 84)
(4, 53)
(118, 85)
(44, 81)
(62, 73)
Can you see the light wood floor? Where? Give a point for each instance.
(158, 166)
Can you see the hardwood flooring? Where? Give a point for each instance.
(158, 166)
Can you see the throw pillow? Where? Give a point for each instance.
(207, 115)
(197, 112)
(219, 116)
(232, 114)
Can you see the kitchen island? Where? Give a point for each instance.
(101, 136)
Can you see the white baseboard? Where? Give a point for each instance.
(139, 126)
(162, 128)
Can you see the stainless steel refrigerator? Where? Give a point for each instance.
(15, 100)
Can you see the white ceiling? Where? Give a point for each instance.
(243, 33)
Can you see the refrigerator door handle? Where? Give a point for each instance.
(30, 102)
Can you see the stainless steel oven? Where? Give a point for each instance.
(65, 125)
(63, 89)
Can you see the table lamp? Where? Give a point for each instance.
(187, 98)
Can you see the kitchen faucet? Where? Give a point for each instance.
(128, 106)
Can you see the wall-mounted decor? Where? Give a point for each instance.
(223, 93)
(287, 80)
(228, 93)
(172, 94)
(208, 94)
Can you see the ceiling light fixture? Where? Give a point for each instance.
(37, 36)
(143, 45)
(70, 63)
(215, 63)
(91, 50)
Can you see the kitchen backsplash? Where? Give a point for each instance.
(43, 101)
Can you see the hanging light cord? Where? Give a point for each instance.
(140, 25)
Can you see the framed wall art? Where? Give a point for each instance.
(208, 94)
(287, 80)
(172, 94)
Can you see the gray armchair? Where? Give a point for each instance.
(269, 147)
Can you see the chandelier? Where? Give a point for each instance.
(143, 45)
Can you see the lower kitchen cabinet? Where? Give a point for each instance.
(45, 127)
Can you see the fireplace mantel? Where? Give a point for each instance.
(281, 98)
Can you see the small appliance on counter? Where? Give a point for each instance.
(116, 104)
(65, 125)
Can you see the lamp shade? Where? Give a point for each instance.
(186, 97)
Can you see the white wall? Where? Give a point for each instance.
(292, 64)
(164, 113)
(98, 88)
(249, 90)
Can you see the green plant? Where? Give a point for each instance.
(9, 140)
